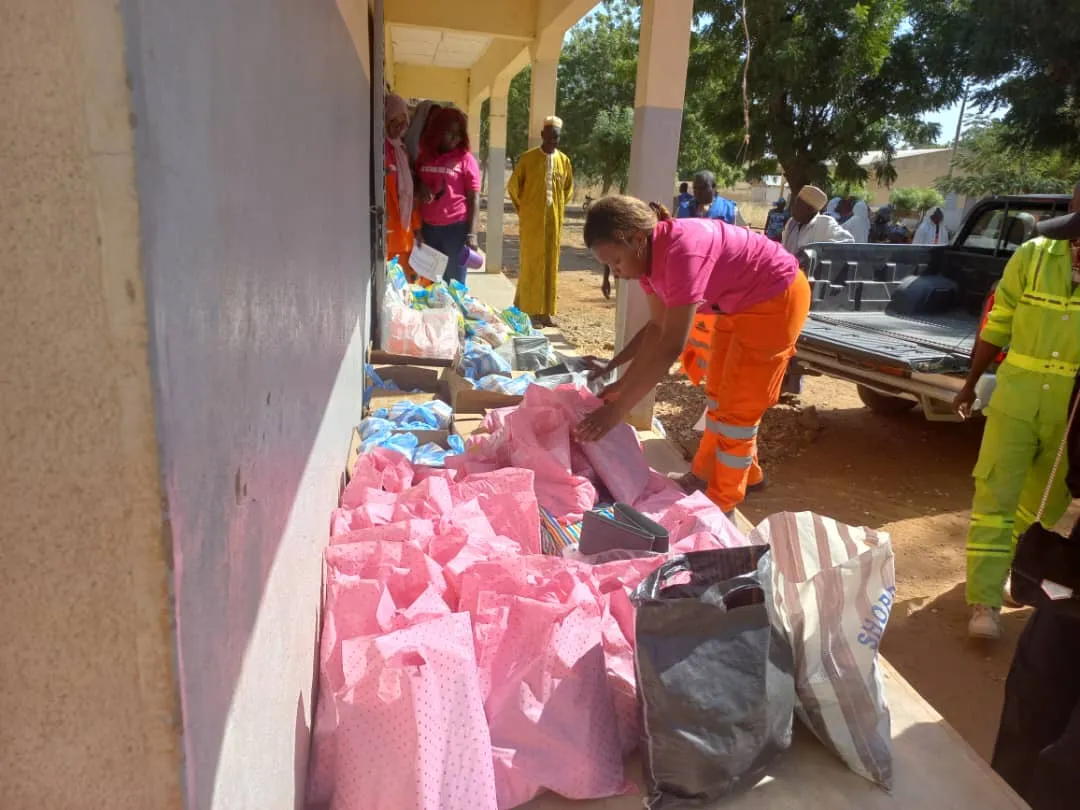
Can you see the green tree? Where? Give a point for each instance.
(916, 201)
(517, 119)
(517, 115)
(1026, 57)
(993, 158)
(608, 150)
(597, 75)
(828, 81)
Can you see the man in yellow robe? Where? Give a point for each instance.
(540, 187)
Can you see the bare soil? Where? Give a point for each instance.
(825, 452)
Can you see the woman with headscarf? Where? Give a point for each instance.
(858, 224)
(687, 266)
(931, 230)
(449, 189)
(402, 217)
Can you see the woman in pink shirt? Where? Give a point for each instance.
(686, 266)
(449, 189)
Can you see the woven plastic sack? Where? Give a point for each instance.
(834, 589)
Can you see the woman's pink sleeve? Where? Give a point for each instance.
(472, 172)
(685, 272)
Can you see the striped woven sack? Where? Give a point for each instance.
(834, 587)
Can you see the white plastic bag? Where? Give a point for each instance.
(834, 587)
(431, 333)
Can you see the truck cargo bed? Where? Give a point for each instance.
(927, 343)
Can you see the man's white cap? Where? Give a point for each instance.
(553, 121)
(814, 197)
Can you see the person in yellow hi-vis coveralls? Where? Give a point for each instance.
(1036, 315)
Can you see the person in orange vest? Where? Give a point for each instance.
(687, 266)
(402, 216)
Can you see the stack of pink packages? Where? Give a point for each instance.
(460, 668)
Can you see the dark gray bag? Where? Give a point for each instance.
(715, 682)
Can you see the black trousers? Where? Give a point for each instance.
(1038, 744)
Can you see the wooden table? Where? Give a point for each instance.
(934, 769)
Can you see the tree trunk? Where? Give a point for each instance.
(796, 171)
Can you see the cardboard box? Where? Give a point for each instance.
(377, 357)
(428, 387)
(469, 424)
(467, 400)
(439, 437)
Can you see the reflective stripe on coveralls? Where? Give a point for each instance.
(748, 357)
(695, 356)
(1027, 413)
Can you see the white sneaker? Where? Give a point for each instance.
(985, 622)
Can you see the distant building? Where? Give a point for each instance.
(917, 168)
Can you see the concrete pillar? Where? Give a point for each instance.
(663, 52)
(496, 173)
(542, 96)
(473, 112)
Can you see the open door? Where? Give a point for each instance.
(376, 43)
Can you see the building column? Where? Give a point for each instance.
(663, 53)
(496, 173)
(542, 96)
(473, 113)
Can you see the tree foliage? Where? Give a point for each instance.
(597, 74)
(608, 150)
(827, 82)
(1026, 57)
(915, 200)
(993, 158)
(596, 82)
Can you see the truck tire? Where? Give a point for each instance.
(884, 404)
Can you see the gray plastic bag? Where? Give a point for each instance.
(715, 680)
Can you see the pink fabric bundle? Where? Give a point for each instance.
(694, 515)
(538, 629)
(459, 668)
(412, 732)
(537, 435)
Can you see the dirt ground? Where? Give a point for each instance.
(825, 452)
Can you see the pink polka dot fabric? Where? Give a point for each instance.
(460, 668)
(412, 733)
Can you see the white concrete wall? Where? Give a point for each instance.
(254, 145)
(89, 709)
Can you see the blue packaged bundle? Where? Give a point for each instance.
(373, 425)
(429, 455)
(511, 386)
(479, 360)
(404, 443)
(410, 415)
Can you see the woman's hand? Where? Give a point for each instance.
(595, 368)
(964, 401)
(599, 423)
(424, 194)
(471, 241)
(418, 237)
(612, 392)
